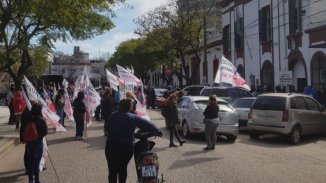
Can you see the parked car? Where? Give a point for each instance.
(193, 90)
(191, 118)
(160, 100)
(229, 94)
(242, 106)
(288, 114)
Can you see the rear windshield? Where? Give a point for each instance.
(232, 93)
(243, 103)
(225, 107)
(194, 90)
(269, 103)
(216, 91)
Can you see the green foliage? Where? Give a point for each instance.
(25, 25)
(138, 53)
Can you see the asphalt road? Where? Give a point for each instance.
(269, 159)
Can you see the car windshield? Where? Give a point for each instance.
(194, 90)
(243, 103)
(201, 104)
(270, 103)
(216, 91)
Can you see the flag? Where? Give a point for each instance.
(113, 80)
(67, 108)
(128, 77)
(48, 101)
(91, 98)
(49, 116)
(227, 73)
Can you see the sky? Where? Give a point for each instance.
(123, 30)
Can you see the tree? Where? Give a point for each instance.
(25, 25)
(178, 27)
(137, 53)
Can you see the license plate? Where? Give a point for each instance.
(148, 171)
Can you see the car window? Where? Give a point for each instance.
(243, 103)
(224, 107)
(184, 103)
(180, 102)
(311, 104)
(270, 103)
(298, 103)
(201, 104)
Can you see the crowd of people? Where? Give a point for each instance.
(120, 121)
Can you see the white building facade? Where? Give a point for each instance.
(277, 42)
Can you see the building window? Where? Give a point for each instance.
(265, 28)
(295, 16)
(226, 39)
(238, 32)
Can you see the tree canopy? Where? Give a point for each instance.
(27, 25)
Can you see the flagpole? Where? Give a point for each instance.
(55, 171)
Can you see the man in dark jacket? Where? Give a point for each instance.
(211, 122)
(120, 141)
(79, 111)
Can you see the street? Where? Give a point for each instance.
(270, 159)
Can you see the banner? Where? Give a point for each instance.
(227, 73)
(48, 101)
(113, 80)
(49, 116)
(67, 108)
(127, 76)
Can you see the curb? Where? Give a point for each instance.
(5, 147)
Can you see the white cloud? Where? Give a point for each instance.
(143, 6)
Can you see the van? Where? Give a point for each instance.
(287, 114)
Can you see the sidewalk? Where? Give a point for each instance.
(9, 137)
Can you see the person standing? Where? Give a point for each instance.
(79, 109)
(59, 104)
(107, 104)
(211, 122)
(9, 97)
(120, 140)
(19, 105)
(171, 119)
(34, 149)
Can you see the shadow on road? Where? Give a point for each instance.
(279, 141)
(12, 176)
(190, 162)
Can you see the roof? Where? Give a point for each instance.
(283, 94)
(198, 98)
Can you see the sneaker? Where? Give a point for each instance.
(206, 148)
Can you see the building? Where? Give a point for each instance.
(277, 43)
(72, 66)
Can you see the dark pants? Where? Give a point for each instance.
(118, 156)
(34, 155)
(97, 113)
(17, 118)
(61, 115)
(79, 119)
(26, 158)
(173, 130)
(12, 114)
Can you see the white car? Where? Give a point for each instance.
(242, 106)
(190, 113)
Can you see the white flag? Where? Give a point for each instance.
(113, 80)
(227, 73)
(128, 77)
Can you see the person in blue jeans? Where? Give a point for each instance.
(34, 149)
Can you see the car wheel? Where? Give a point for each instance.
(254, 135)
(295, 135)
(231, 138)
(185, 130)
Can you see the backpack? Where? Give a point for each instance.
(30, 132)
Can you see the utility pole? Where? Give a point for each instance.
(205, 37)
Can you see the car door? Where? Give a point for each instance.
(316, 118)
(182, 110)
(299, 114)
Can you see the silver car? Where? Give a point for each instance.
(242, 106)
(289, 114)
(190, 112)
